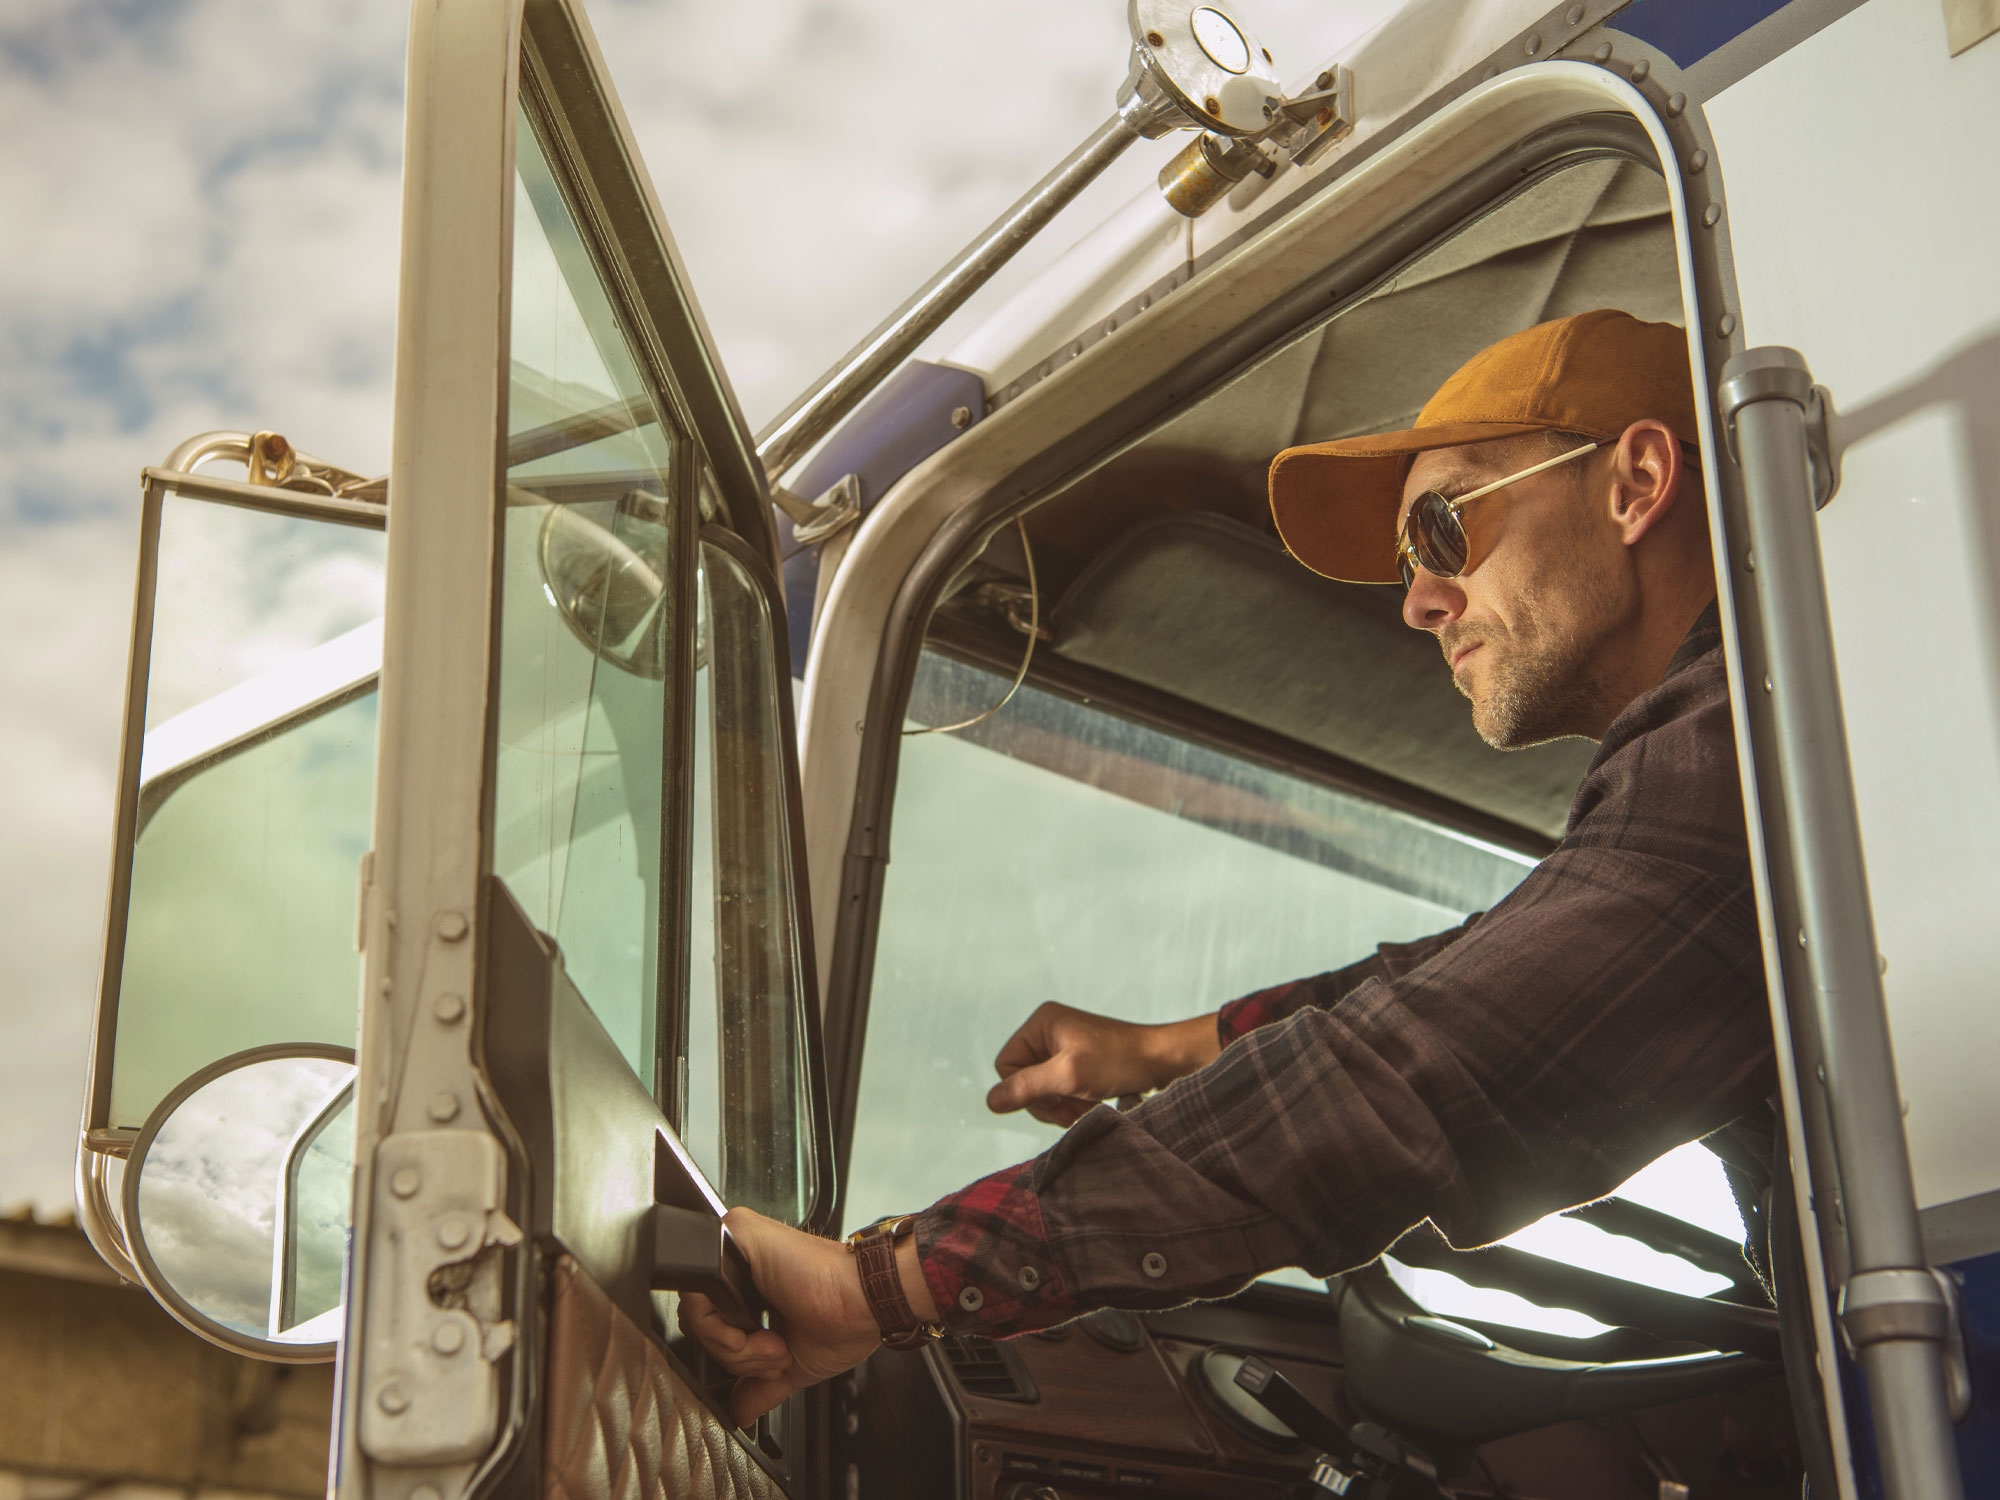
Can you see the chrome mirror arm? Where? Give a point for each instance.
(1193, 66)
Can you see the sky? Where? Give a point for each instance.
(201, 206)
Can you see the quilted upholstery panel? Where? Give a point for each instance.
(620, 1424)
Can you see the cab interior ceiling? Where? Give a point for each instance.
(1162, 568)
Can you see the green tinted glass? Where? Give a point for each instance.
(586, 622)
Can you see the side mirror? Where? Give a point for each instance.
(237, 1199)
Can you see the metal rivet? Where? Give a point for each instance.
(1030, 1278)
(454, 1232)
(450, 1009)
(1324, 81)
(1676, 103)
(451, 926)
(1802, 937)
(1145, 302)
(1640, 69)
(1533, 46)
(1110, 325)
(851, 1424)
(1750, 561)
(1698, 163)
(393, 1399)
(1573, 15)
(1881, 963)
(1767, 684)
(1712, 215)
(1153, 1264)
(406, 1182)
(961, 417)
(972, 1299)
(1154, 39)
(1212, 104)
(1821, 1071)
(448, 1338)
(1725, 325)
(1603, 52)
(444, 1106)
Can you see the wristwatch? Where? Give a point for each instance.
(874, 1250)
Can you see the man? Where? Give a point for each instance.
(1549, 532)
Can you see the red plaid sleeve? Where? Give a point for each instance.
(986, 1257)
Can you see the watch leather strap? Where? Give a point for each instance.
(874, 1250)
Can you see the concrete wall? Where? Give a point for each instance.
(101, 1390)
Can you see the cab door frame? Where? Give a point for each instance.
(434, 1152)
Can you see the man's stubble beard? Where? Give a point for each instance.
(1542, 682)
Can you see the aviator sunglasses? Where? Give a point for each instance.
(1433, 537)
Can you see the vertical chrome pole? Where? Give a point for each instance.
(1892, 1308)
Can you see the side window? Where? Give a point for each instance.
(698, 977)
(745, 1112)
(1060, 852)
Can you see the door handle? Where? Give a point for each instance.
(694, 1252)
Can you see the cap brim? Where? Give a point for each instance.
(1335, 504)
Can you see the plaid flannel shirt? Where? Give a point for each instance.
(1608, 1009)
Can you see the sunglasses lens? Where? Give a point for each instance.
(1435, 535)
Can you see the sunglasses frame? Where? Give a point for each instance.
(1407, 558)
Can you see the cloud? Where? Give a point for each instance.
(202, 204)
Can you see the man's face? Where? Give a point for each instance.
(1545, 583)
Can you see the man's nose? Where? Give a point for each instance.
(1431, 603)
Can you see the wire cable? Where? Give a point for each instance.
(1034, 630)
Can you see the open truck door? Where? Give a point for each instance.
(587, 1014)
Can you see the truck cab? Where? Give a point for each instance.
(663, 817)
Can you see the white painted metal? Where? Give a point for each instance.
(421, 908)
(1863, 237)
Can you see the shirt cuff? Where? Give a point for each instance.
(1241, 1017)
(986, 1258)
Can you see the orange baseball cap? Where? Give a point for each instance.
(1596, 374)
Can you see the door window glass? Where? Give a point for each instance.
(1059, 852)
(746, 1114)
(586, 622)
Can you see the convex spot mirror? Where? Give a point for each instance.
(237, 1198)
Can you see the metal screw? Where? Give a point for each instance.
(1698, 162)
(448, 1338)
(961, 417)
(1212, 104)
(454, 1232)
(982, 1453)
(406, 1182)
(1676, 103)
(1725, 325)
(393, 1399)
(452, 926)
(1712, 215)
(1324, 117)
(444, 1106)
(1324, 81)
(1640, 69)
(449, 1009)
(1154, 39)
(1534, 45)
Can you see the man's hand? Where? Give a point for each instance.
(1063, 1061)
(821, 1324)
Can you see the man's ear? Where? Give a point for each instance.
(1646, 469)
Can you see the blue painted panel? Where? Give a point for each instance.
(1979, 1434)
(1688, 30)
(902, 424)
